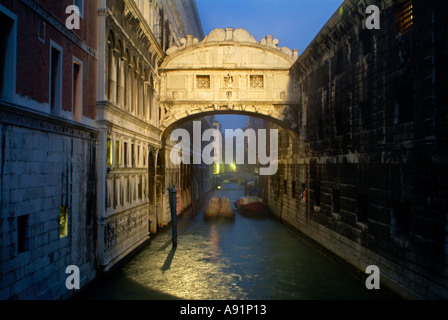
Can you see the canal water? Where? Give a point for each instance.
(253, 259)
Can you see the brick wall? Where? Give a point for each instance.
(372, 143)
(34, 34)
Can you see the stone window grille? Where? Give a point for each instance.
(293, 187)
(22, 233)
(203, 82)
(362, 208)
(404, 18)
(317, 195)
(400, 219)
(256, 82)
(336, 200)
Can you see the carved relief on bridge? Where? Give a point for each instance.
(228, 72)
(123, 231)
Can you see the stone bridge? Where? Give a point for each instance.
(229, 72)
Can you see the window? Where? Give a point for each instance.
(138, 155)
(132, 156)
(362, 208)
(317, 196)
(80, 5)
(55, 79)
(400, 219)
(109, 153)
(293, 187)
(285, 186)
(125, 151)
(117, 153)
(256, 82)
(42, 31)
(404, 17)
(77, 91)
(203, 82)
(320, 129)
(22, 233)
(336, 200)
(8, 45)
(140, 187)
(63, 222)
(365, 114)
(303, 193)
(404, 101)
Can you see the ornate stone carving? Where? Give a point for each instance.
(283, 95)
(228, 81)
(123, 230)
(236, 35)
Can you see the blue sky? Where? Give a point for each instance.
(294, 22)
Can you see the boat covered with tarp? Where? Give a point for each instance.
(219, 208)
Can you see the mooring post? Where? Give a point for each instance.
(173, 200)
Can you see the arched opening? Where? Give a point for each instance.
(127, 80)
(283, 123)
(152, 193)
(159, 183)
(120, 75)
(111, 74)
(246, 173)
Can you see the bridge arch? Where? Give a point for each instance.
(228, 72)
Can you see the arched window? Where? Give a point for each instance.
(120, 75)
(132, 77)
(128, 90)
(140, 91)
(150, 97)
(145, 95)
(111, 73)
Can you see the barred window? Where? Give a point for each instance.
(404, 17)
(256, 82)
(203, 82)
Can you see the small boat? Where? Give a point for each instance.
(252, 206)
(219, 208)
(226, 210)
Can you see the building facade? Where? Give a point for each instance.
(134, 169)
(84, 170)
(365, 176)
(49, 148)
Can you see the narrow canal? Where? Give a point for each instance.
(254, 259)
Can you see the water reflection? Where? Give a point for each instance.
(247, 259)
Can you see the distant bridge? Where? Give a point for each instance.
(236, 176)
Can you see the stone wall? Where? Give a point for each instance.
(46, 163)
(366, 175)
